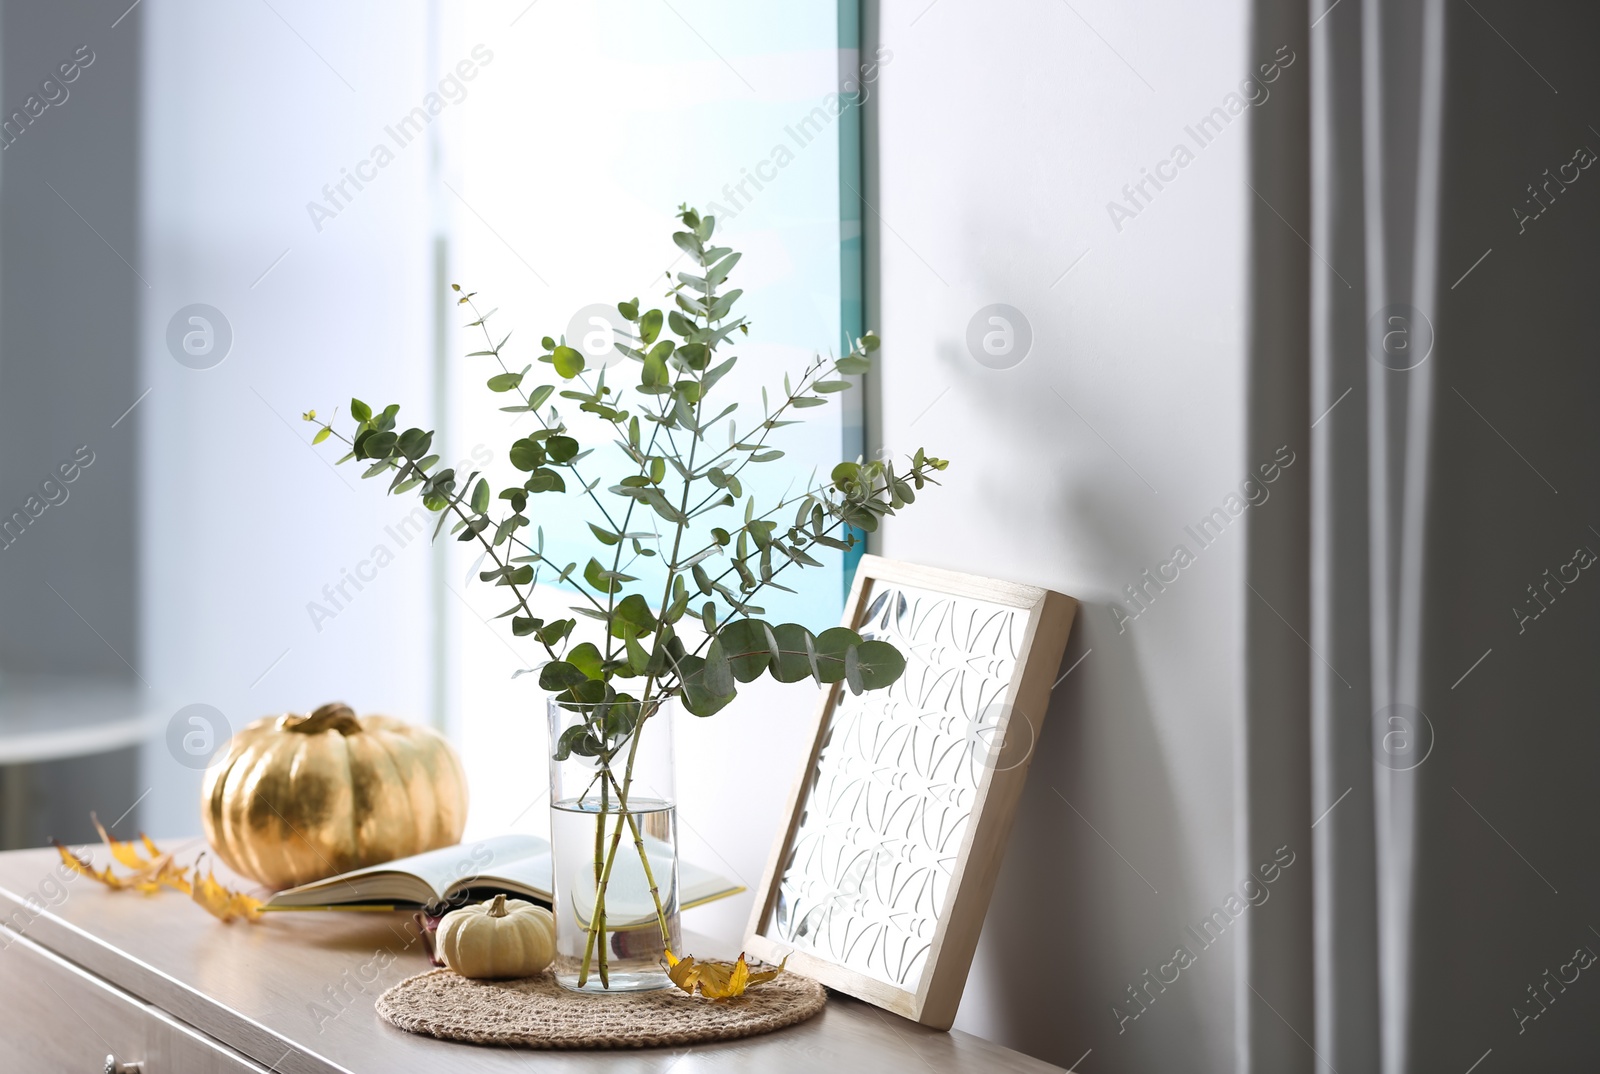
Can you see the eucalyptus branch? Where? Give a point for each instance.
(814, 492)
(675, 352)
(536, 556)
(647, 452)
(838, 522)
(482, 323)
(767, 426)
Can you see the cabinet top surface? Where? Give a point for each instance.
(296, 990)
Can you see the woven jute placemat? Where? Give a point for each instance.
(538, 1013)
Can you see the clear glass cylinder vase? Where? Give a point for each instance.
(614, 844)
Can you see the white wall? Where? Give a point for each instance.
(1003, 131)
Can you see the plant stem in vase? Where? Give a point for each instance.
(616, 910)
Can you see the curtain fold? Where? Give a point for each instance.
(1376, 135)
(1453, 454)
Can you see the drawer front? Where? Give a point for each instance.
(174, 1048)
(55, 1017)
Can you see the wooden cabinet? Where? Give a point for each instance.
(55, 1017)
(86, 972)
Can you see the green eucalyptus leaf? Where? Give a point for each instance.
(559, 674)
(654, 374)
(688, 243)
(597, 577)
(719, 272)
(570, 741)
(699, 696)
(552, 634)
(380, 445)
(414, 443)
(632, 617)
(747, 643)
(587, 692)
(638, 658)
(717, 677)
(527, 454)
(586, 657)
(720, 308)
(831, 646)
(793, 661)
(681, 325)
(568, 362)
(545, 479)
(873, 665)
(650, 327)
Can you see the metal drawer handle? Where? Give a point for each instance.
(114, 1067)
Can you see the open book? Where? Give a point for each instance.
(513, 864)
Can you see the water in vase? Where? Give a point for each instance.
(634, 952)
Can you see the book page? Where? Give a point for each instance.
(443, 869)
(532, 873)
(438, 870)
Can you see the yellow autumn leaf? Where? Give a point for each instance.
(682, 971)
(162, 872)
(219, 901)
(125, 853)
(716, 979)
(150, 877)
(154, 870)
(83, 868)
(766, 975)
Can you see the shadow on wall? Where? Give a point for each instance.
(1041, 969)
(1103, 873)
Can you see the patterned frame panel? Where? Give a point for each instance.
(869, 870)
(862, 892)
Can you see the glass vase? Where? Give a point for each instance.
(614, 844)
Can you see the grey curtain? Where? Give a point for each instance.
(1453, 624)
(1376, 116)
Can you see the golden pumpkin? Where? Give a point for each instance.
(499, 938)
(299, 798)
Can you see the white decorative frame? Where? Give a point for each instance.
(987, 652)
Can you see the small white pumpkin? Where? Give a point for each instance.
(499, 938)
